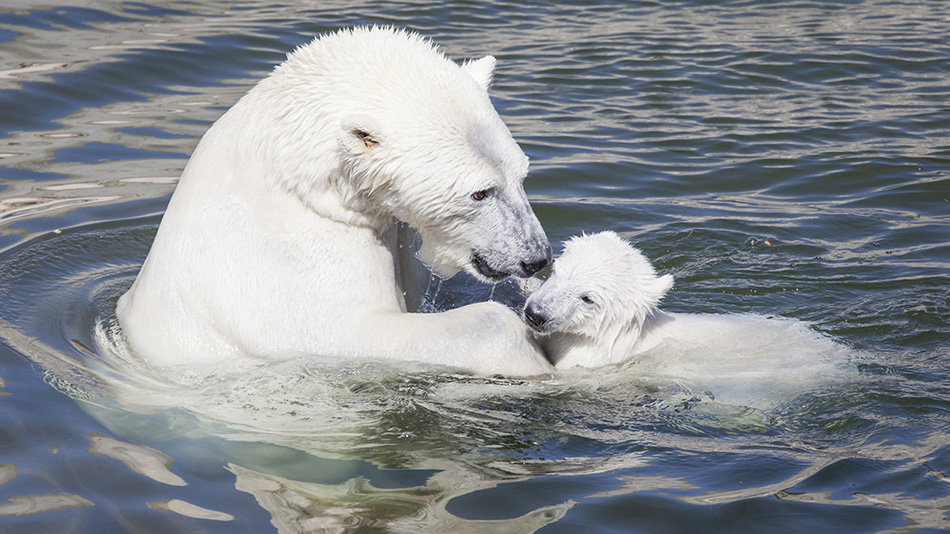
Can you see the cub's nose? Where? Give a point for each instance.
(535, 318)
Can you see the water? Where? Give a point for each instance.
(779, 158)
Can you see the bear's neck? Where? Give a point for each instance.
(637, 335)
(613, 343)
(297, 156)
(565, 350)
(239, 196)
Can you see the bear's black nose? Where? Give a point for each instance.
(534, 318)
(530, 268)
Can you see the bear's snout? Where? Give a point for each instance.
(530, 268)
(537, 257)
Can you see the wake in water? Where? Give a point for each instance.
(476, 432)
(409, 415)
(66, 292)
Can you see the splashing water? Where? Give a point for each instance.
(431, 296)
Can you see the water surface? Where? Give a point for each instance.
(786, 159)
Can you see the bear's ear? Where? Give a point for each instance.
(481, 70)
(359, 135)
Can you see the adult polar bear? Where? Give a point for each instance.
(280, 239)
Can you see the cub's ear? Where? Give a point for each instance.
(663, 284)
(481, 70)
(359, 135)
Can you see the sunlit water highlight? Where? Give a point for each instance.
(699, 132)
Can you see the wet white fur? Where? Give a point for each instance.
(622, 320)
(599, 296)
(280, 239)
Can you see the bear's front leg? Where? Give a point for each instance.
(485, 338)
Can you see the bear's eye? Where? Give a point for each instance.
(481, 195)
(586, 299)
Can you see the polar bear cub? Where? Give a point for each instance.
(600, 306)
(594, 307)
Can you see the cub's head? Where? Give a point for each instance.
(419, 141)
(599, 282)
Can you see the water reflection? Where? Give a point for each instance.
(189, 510)
(36, 504)
(299, 507)
(138, 458)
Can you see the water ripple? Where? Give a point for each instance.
(784, 158)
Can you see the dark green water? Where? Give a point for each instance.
(786, 159)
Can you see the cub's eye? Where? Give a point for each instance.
(481, 195)
(586, 299)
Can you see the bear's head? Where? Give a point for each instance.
(418, 140)
(599, 286)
